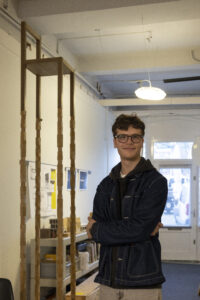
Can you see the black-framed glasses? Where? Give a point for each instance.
(123, 138)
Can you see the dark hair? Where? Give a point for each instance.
(125, 121)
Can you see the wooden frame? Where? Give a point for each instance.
(45, 67)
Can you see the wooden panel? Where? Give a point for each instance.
(47, 66)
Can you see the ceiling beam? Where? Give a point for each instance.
(28, 8)
(60, 17)
(138, 61)
(139, 102)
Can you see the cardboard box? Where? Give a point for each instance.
(66, 227)
(67, 224)
(87, 290)
(45, 233)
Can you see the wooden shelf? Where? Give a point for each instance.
(47, 66)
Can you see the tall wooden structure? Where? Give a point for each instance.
(45, 67)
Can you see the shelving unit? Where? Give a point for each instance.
(47, 245)
(50, 282)
(56, 66)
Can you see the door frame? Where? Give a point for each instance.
(180, 233)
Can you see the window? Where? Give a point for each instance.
(177, 209)
(173, 150)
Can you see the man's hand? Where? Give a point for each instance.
(156, 229)
(89, 226)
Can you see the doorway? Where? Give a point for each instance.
(179, 235)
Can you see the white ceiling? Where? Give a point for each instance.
(113, 43)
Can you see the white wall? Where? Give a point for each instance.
(91, 147)
(9, 158)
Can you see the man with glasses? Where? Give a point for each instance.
(126, 218)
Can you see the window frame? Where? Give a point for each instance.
(169, 141)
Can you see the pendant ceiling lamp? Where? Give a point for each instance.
(149, 92)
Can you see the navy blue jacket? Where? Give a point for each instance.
(126, 211)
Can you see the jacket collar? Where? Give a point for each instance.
(142, 166)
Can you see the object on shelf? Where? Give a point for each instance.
(81, 246)
(91, 248)
(50, 257)
(83, 227)
(45, 233)
(48, 268)
(51, 297)
(66, 234)
(53, 224)
(66, 225)
(87, 290)
(84, 260)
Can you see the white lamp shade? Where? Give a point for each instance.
(150, 93)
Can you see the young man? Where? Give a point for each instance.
(127, 210)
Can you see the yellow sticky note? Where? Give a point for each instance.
(53, 200)
(79, 294)
(53, 195)
(53, 175)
